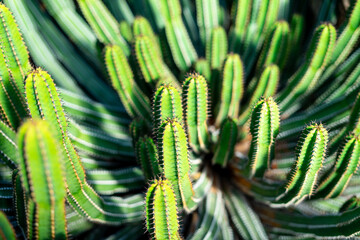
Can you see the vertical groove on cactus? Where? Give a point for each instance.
(195, 104)
(317, 57)
(167, 105)
(310, 155)
(42, 177)
(338, 177)
(14, 66)
(231, 88)
(275, 46)
(135, 101)
(103, 23)
(174, 159)
(161, 211)
(264, 128)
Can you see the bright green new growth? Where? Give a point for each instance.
(146, 154)
(195, 104)
(174, 159)
(135, 101)
(224, 150)
(167, 105)
(264, 128)
(231, 88)
(161, 211)
(304, 173)
(14, 66)
(338, 177)
(42, 177)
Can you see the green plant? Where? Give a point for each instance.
(213, 125)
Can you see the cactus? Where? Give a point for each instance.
(203, 119)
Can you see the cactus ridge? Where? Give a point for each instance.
(135, 101)
(161, 211)
(167, 105)
(318, 56)
(264, 128)
(232, 88)
(195, 105)
(37, 163)
(174, 159)
(347, 163)
(309, 159)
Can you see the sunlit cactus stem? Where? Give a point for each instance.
(264, 128)
(195, 104)
(337, 178)
(310, 154)
(167, 105)
(135, 101)
(161, 211)
(42, 176)
(174, 159)
(317, 58)
(231, 89)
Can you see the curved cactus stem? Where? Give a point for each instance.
(42, 177)
(275, 46)
(195, 105)
(266, 87)
(352, 126)
(338, 177)
(147, 156)
(103, 23)
(161, 211)
(6, 229)
(217, 48)
(135, 101)
(242, 13)
(174, 160)
(246, 221)
(224, 150)
(167, 105)
(317, 58)
(264, 128)
(141, 26)
(231, 89)
(310, 156)
(14, 66)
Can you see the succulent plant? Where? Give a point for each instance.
(179, 119)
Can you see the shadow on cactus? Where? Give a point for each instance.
(179, 119)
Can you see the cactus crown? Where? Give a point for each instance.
(209, 106)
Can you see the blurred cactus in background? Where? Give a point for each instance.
(179, 119)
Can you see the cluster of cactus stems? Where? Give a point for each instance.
(179, 119)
